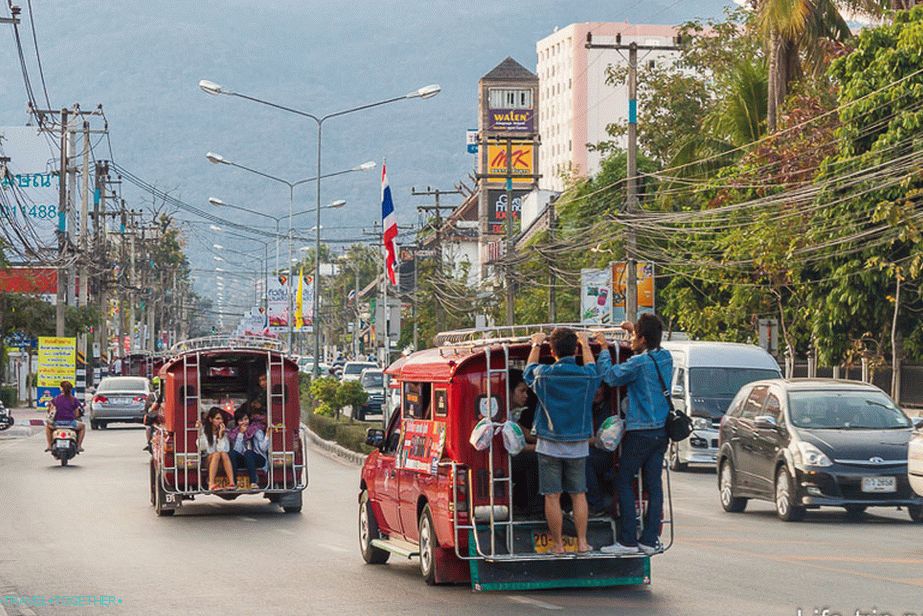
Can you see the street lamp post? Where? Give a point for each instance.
(215, 89)
(218, 159)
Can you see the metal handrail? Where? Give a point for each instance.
(511, 334)
(224, 342)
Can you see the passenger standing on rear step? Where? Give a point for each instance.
(563, 424)
(645, 441)
(213, 441)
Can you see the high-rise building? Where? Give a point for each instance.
(577, 103)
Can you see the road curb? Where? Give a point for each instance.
(336, 449)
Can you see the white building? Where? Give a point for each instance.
(577, 103)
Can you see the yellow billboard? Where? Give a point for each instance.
(523, 162)
(645, 271)
(57, 361)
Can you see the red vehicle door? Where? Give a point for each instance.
(386, 479)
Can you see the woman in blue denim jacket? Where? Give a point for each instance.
(645, 442)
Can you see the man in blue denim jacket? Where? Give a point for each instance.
(645, 441)
(563, 425)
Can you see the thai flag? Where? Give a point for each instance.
(388, 223)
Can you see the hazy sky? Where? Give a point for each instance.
(143, 59)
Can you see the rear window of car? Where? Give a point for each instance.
(351, 368)
(372, 379)
(123, 383)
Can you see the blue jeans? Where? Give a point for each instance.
(642, 450)
(250, 459)
(599, 472)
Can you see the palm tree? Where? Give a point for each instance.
(794, 28)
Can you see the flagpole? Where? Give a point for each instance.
(384, 279)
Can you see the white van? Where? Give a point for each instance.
(915, 457)
(706, 377)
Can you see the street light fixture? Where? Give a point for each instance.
(425, 92)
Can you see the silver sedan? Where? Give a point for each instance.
(120, 399)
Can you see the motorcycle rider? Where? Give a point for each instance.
(66, 407)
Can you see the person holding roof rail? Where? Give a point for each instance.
(647, 375)
(563, 425)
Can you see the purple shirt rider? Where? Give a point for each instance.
(65, 408)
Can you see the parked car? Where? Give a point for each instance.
(809, 443)
(706, 377)
(373, 382)
(120, 399)
(352, 370)
(915, 457)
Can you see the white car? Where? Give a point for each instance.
(915, 457)
(352, 370)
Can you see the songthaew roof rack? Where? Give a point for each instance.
(511, 334)
(230, 342)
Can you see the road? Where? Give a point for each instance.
(87, 529)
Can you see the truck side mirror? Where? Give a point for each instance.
(374, 437)
(678, 391)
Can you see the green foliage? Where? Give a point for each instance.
(349, 435)
(324, 391)
(9, 396)
(350, 393)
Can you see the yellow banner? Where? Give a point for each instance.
(57, 360)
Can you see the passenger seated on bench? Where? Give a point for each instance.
(526, 497)
(213, 441)
(249, 445)
(256, 403)
(599, 464)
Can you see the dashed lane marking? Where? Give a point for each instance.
(535, 603)
(247, 518)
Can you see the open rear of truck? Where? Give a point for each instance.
(225, 372)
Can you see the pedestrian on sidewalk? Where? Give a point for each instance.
(563, 425)
(645, 442)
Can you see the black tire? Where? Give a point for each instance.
(103, 425)
(428, 547)
(786, 508)
(63, 459)
(294, 507)
(915, 512)
(94, 425)
(726, 485)
(855, 512)
(673, 456)
(368, 530)
(159, 498)
(151, 481)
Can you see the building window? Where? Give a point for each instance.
(502, 98)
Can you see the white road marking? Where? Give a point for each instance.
(285, 531)
(332, 548)
(247, 519)
(536, 603)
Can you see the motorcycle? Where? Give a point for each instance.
(64, 441)
(6, 418)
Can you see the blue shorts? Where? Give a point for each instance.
(556, 475)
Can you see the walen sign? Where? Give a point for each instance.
(511, 120)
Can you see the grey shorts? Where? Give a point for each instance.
(556, 475)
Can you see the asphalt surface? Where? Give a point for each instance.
(87, 529)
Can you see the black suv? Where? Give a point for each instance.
(809, 443)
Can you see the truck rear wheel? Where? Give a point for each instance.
(428, 547)
(159, 497)
(368, 530)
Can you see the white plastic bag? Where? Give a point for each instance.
(482, 434)
(610, 433)
(513, 438)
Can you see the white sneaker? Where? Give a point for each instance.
(650, 550)
(619, 549)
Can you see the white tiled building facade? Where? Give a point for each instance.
(577, 104)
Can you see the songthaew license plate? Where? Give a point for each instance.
(879, 484)
(544, 544)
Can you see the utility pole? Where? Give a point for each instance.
(553, 278)
(631, 204)
(99, 249)
(510, 295)
(61, 290)
(437, 206)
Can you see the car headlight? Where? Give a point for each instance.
(701, 423)
(812, 456)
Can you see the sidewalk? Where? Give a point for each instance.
(27, 422)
